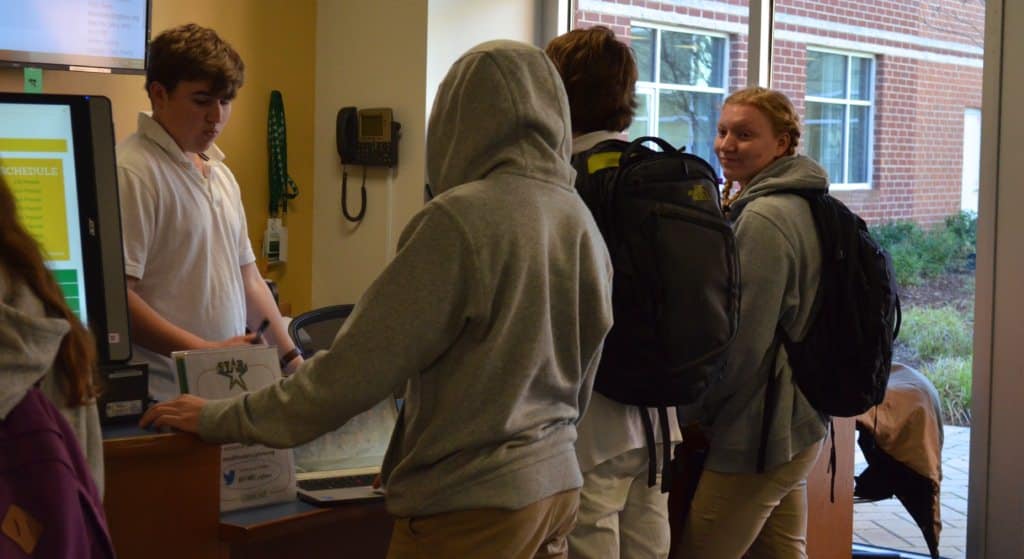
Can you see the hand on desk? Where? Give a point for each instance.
(182, 413)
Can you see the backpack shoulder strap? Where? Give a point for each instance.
(604, 155)
(810, 195)
(596, 169)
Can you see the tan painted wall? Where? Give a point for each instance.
(389, 53)
(475, 23)
(369, 54)
(323, 55)
(276, 39)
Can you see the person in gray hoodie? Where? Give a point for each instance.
(42, 343)
(737, 508)
(492, 315)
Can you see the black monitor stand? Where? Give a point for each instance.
(125, 392)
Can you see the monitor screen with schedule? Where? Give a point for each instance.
(57, 157)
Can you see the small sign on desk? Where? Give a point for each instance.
(250, 475)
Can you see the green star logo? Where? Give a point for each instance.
(233, 370)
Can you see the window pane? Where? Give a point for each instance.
(642, 117)
(860, 78)
(913, 150)
(859, 127)
(690, 119)
(826, 75)
(642, 41)
(689, 59)
(824, 130)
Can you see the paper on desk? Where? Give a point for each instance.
(251, 475)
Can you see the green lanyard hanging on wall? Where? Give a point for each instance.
(282, 187)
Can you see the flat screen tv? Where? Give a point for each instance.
(57, 156)
(89, 35)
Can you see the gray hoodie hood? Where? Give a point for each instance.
(28, 343)
(500, 109)
(793, 172)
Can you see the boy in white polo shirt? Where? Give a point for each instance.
(192, 276)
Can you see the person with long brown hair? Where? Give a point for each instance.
(41, 341)
(620, 515)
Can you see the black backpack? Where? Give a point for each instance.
(675, 293)
(842, 365)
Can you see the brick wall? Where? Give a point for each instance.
(926, 69)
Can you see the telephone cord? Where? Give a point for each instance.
(344, 196)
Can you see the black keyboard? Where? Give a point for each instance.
(339, 482)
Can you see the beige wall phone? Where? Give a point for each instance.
(367, 137)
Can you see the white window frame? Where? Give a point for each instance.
(847, 102)
(650, 93)
(653, 88)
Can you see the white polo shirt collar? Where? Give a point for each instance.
(583, 142)
(153, 131)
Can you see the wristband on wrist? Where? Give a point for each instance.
(289, 357)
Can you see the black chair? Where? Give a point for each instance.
(315, 330)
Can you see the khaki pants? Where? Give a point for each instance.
(536, 531)
(620, 517)
(763, 514)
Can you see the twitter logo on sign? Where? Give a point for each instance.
(229, 477)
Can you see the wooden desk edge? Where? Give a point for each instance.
(294, 523)
(152, 444)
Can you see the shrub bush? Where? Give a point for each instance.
(937, 340)
(900, 239)
(918, 254)
(935, 333)
(964, 226)
(894, 232)
(907, 264)
(952, 378)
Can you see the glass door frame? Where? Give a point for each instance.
(996, 488)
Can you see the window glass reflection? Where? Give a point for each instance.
(641, 119)
(691, 59)
(826, 75)
(823, 127)
(859, 141)
(642, 41)
(690, 119)
(860, 78)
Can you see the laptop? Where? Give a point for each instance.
(340, 466)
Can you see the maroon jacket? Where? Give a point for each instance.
(49, 505)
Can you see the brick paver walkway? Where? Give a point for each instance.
(887, 523)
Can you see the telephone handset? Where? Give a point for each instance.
(367, 137)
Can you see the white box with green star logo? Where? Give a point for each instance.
(251, 475)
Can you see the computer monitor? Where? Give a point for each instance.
(57, 156)
(93, 35)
